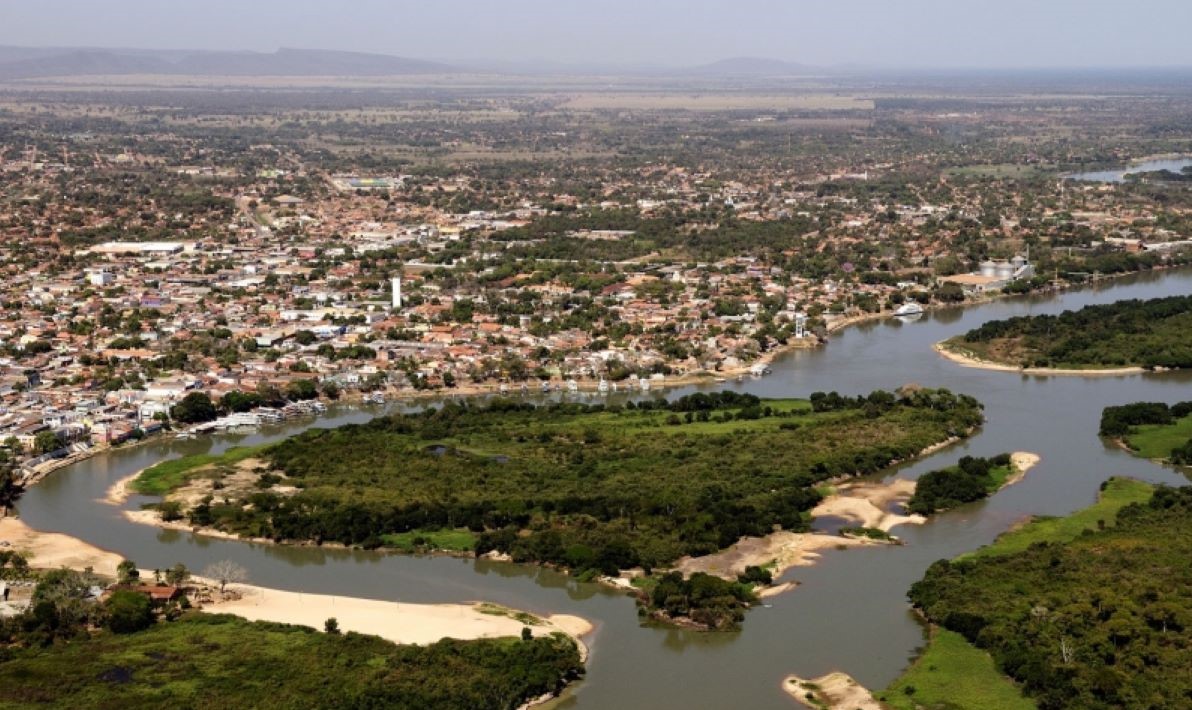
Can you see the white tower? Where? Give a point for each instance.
(800, 325)
(396, 292)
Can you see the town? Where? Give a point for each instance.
(161, 279)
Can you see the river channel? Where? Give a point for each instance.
(850, 611)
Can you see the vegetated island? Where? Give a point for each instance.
(971, 479)
(1152, 430)
(1118, 338)
(588, 488)
(1092, 610)
(951, 673)
(138, 644)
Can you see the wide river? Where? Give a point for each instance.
(850, 611)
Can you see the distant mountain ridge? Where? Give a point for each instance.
(752, 66)
(29, 62)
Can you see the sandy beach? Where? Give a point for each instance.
(868, 504)
(48, 550)
(971, 361)
(395, 621)
(834, 691)
(1022, 461)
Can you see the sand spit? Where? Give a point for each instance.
(1022, 461)
(971, 361)
(396, 621)
(834, 691)
(48, 550)
(867, 504)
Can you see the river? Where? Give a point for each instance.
(850, 612)
(1175, 165)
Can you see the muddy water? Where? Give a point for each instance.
(850, 612)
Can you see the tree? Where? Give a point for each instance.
(10, 490)
(128, 612)
(127, 572)
(177, 575)
(46, 441)
(194, 408)
(331, 626)
(225, 572)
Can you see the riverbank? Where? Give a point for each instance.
(970, 360)
(47, 550)
(399, 622)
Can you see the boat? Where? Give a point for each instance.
(910, 308)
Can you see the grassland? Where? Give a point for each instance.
(424, 540)
(168, 475)
(952, 674)
(220, 661)
(1115, 495)
(1156, 441)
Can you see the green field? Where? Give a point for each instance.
(422, 540)
(166, 476)
(219, 661)
(1116, 494)
(1156, 441)
(952, 674)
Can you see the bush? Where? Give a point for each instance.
(128, 612)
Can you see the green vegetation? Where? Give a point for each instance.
(969, 480)
(952, 674)
(168, 475)
(431, 540)
(1131, 333)
(216, 661)
(702, 600)
(585, 487)
(871, 533)
(1116, 493)
(1152, 430)
(1098, 620)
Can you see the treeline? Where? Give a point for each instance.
(1100, 622)
(969, 480)
(1119, 421)
(1151, 334)
(586, 487)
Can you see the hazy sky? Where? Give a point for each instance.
(895, 33)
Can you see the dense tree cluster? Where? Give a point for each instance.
(703, 599)
(969, 480)
(1140, 333)
(585, 486)
(1104, 621)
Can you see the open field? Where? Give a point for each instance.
(1156, 441)
(952, 674)
(1117, 493)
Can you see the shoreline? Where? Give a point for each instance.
(683, 380)
(977, 363)
(399, 622)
